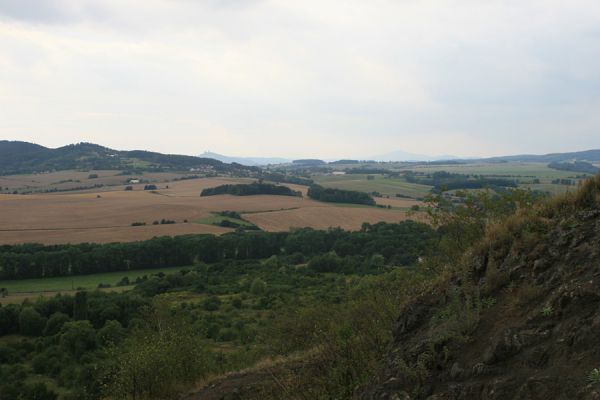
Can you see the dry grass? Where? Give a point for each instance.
(323, 217)
(106, 216)
(60, 180)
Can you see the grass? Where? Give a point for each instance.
(537, 170)
(68, 283)
(525, 172)
(385, 186)
(216, 219)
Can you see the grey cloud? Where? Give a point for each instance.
(53, 11)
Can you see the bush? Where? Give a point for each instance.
(212, 303)
(258, 287)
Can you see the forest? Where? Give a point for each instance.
(332, 195)
(95, 344)
(250, 189)
(398, 243)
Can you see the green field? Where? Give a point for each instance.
(68, 283)
(524, 172)
(385, 186)
(216, 219)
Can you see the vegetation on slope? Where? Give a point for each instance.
(173, 330)
(22, 157)
(514, 316)
(250, 189)
(576, 166)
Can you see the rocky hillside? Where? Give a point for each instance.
(517, 318)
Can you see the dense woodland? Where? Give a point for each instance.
(398, 243)
(145, 343)
(250, 189)
(332, 195)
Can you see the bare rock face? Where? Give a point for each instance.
(535, 335)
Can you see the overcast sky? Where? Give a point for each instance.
(322, 78)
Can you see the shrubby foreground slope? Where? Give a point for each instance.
(517, 318)
(508, 308)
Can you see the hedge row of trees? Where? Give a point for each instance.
(443, 180)
(400, 243)
(250, 189)
(333, 195)
(576, 166)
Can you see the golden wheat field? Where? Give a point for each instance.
(107, 216)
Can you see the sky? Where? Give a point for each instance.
(309, 78)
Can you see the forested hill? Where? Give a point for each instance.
(22, 157)
(587, 155)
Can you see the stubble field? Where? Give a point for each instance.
(107, 216)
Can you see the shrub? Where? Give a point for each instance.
(258, 286)
(212, 303)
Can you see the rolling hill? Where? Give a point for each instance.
(22, 157)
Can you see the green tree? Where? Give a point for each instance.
(111, 333)
(31, 323)
(55, 323)
(77, 337)
(80, 306)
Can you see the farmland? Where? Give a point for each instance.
(107, 215)
(19, 290)
(536, 176)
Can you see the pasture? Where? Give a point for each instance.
(386, 186)
(524, 173)
(19, 290)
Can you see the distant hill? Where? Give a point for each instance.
(587, 155)
(22, 157)
(404, 156)
(248, 161)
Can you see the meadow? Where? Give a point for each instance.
(19, 290)
(385, 186)
(524, 173)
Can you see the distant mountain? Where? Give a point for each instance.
(22, 157)
(400, 155)
(586, 155)
(248, 161)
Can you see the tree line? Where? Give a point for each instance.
(442, 180)
(250, 189)
(400, 243)
(332, 195)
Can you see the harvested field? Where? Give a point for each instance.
(69, 180)
(102, 217)
(350, 218)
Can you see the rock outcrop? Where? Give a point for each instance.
(519, 319)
